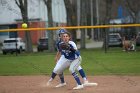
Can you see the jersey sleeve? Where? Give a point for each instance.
(72, 45)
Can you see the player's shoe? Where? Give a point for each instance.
(61, 85)
(48, 83)
(78, 87)
(86, 83)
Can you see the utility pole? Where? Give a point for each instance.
(83, 15)
(91, 6)
(78, 32)
(78, 12)
(98, 18)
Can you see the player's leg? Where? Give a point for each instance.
(82, 73)
(61, 76)
(53, 75)
(74, 65)
(60, 67)
(56, 70)
(65, 64)
(62, 83)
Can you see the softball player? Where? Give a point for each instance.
(61, 76)
(72, 58)
(60, 63)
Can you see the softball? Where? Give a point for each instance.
(24, 25)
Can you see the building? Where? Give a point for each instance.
(10, 17)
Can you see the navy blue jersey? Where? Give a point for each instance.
(57, 45)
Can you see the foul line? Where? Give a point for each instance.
(70, 27)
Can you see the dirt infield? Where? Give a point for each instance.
(37, 84)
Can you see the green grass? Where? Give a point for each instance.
(95, 62)
(113, 62)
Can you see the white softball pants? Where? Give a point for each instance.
(64, 63)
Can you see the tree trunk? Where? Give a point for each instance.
(133, 11)
(108, 16)
(71, 16)
(137, 21)
(48, 4)
(82, 23)
(23, 5)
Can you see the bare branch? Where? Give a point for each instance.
(128, 4)
(17, 3)
(130, 9)
(21, 3)
(45, 1)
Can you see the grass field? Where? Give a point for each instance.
(95, 62)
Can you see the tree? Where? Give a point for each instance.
(23, 5)
(71, 15)
(48, 4)
(134, 10)
(83, 22)
(108, 16)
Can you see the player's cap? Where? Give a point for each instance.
(62, 31)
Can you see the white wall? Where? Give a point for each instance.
(59, 11)
(9, 11)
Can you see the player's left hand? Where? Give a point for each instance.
(64, 46)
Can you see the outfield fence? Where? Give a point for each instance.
(72, 27)
(96, 36)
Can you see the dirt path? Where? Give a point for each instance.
(37, 84)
